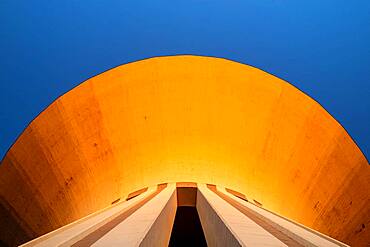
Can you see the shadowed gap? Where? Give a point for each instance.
(187, 229)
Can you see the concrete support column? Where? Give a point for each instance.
(146, 219)
(76, 231)
(224, 225)
(151, 225)
(295, 233)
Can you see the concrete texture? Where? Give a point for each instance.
(224, 225)
(186, 196)
(159, 233)
(184, 118)
(74, 232)
(147, 220)
(291, 233)
(151, 225)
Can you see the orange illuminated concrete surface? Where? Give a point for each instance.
(185, 118)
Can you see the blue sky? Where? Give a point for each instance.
(321, 47)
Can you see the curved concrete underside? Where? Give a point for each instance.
(185, 118)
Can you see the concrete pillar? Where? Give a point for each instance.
(147, 219)
(151, 225)
(224, 225)
(300, 234)
(74, 232)
(143, 220)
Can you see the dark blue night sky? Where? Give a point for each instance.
(321, 47)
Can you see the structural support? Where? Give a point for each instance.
(292, 232)
(74, 232)
(224, 225)
(147, 218)
(144, 217)
(152, 223)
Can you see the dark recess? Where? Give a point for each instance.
(187, 229)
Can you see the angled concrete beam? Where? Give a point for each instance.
(224, 225)
(143, 220)
(148, 226)
(75, 231)
(227, 219)
(298, 232)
